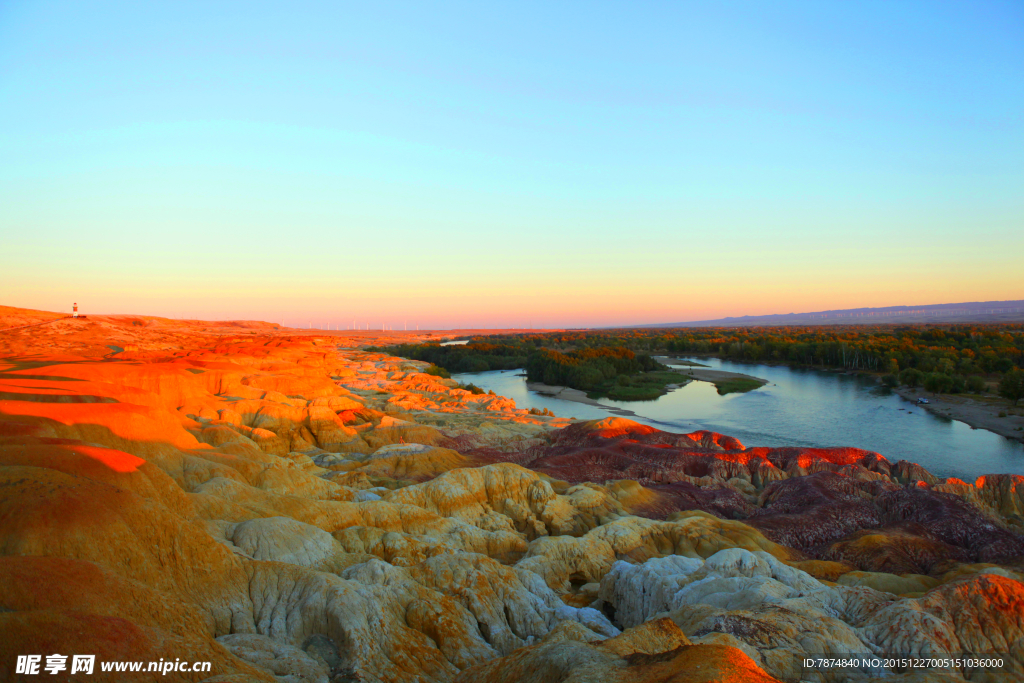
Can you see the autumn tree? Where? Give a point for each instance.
(1011, 387)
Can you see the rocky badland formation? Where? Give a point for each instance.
(292, 508)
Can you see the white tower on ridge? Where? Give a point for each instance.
(75, 313)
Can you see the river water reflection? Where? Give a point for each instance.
(800, 407)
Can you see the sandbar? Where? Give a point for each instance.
(979, 412)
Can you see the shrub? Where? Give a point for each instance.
(912, 377)
(641, 393)
(438, 371)
(976, 385)
(738, 385)
(891, 381)
(938, 383)
(475, 364)
(1011, 386)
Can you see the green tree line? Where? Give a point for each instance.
(605, 371)
(473, 357)
(586, 369)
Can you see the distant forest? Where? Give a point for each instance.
(957, 348)
(942, 358)
(616, 372)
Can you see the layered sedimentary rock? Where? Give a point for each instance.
(779, 615)
(299, 509)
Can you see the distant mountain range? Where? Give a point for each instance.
(975, 311)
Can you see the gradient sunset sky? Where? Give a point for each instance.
(509, 164)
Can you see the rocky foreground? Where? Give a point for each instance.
(295, 509)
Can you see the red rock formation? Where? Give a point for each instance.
(281, 505)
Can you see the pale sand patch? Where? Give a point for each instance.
(705, 374)
(569, 394)
(718, 375)
(978, 412)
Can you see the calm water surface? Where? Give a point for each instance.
(799, 407)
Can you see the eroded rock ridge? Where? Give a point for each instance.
(296, 509)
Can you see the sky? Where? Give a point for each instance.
(509, 164)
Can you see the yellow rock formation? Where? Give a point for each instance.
(291, 507)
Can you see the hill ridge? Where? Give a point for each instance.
(972, 311)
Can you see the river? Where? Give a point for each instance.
(799, 407)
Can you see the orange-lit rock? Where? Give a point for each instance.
(657, 652)
(291, 507)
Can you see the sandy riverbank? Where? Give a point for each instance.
(977, 411)
(716, 376)
(569, 394)
(705, 374)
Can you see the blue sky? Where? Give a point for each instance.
(485, 163)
